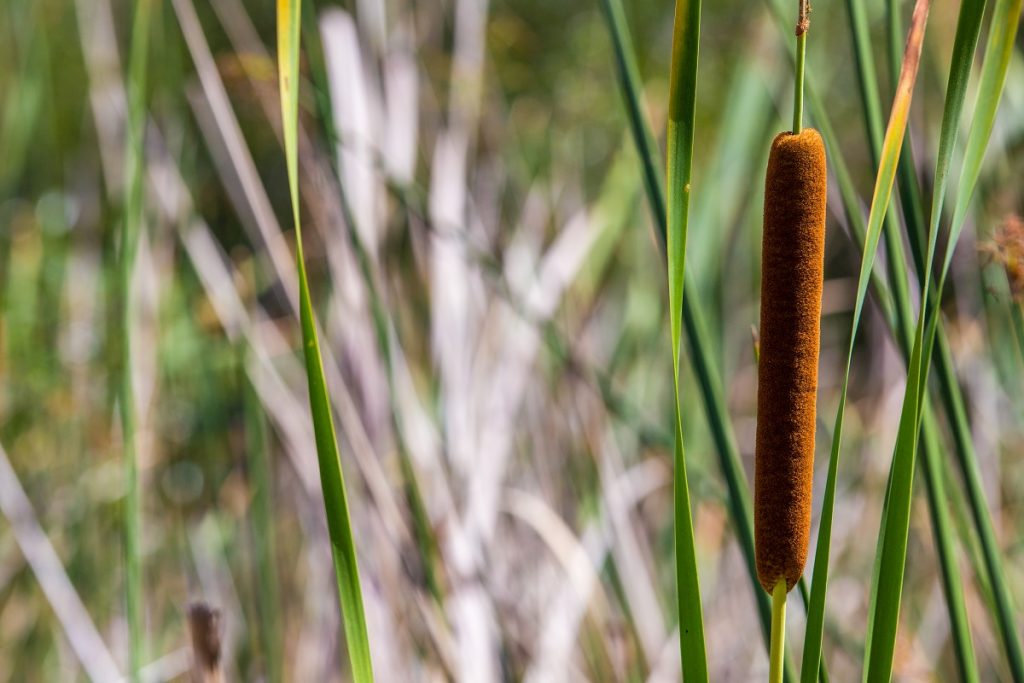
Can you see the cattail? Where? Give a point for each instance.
(791, 278)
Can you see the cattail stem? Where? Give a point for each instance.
(802, 24)
(775, 660)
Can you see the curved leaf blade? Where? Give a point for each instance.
(332, 480)
(682, 110)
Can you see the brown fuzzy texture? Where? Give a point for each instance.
(787, 383)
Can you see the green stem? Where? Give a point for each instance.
(776, 660)
(134, 208)
(798, 90)
(945, 549)
(801, 55)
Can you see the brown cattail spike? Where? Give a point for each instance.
(791, 278)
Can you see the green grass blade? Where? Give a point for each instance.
(888, 580)
(693, 318)
(682, 109)
(942, 524)
(134, 209)
(865, 63)
(629, 80)
(426, 539)
(1005, 20)
(335, 502)
(868, 82)
(891, 147)
(887, 584)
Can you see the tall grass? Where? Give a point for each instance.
(133, 221)
(343, 547)
(682, 109)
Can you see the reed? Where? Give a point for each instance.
(133, 218)
(679, 169)
(332, 481)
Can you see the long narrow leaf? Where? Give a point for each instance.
(682, 109)
(426, 539)
(133, 220)
(1005, 21)
(906, 174)
(891, 146)
(952, 585)
(888, 581)
(331, 478)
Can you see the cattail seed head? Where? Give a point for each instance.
(791, 280)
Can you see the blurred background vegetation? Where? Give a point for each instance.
(485, 268)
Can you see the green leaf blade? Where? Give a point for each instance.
(133, 221)
(332, 480)
(682, 110)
